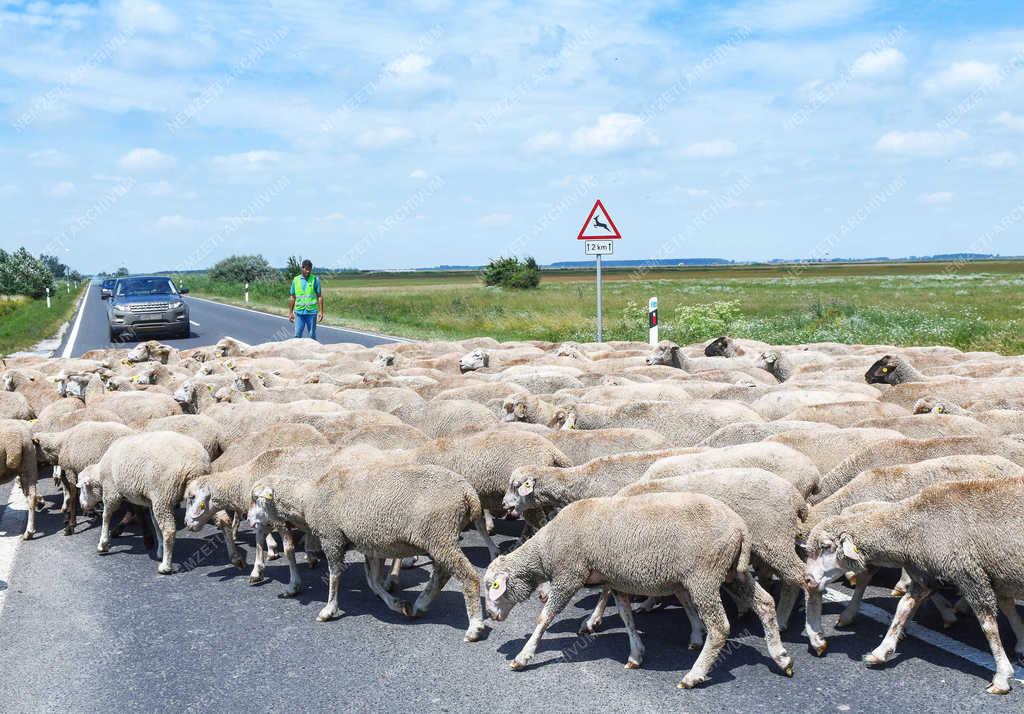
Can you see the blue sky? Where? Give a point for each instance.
(382, 135)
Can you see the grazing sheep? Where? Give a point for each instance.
(428, 506)
(909, 451)
(969, 534)
(151, 470)
(74, 450)
(681, 544)
(18, 460)
(781, 460)
(773, 511)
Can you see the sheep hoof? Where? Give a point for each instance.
(312, 562)
(289, 594)
(844, 622)
(589, 628)
(407, 609)
(28, 535)
(694, 647)
(995, 689)
(898, 592)
(473, 634)
(258, 579)
(102, 549)
(165, 569)
(851, 580)
(328, 614)
(239, 563)
(517, 665)
(68, 530)
(788, 669)
(820, 650)
(689, 683)
(873, 660)
(632, 664)
(273, 556)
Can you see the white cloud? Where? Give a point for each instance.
(146, 160)
(418, 174)
(885, 62)
(714, 149)
(964, 76)
(544, 141)
(697, 192)
(793, 14)
(921, 143)
(1000, 160)
(935, 199)
(145, 16)
(612, 132)
(62, 189)
(1010, 121)
(412, 71)
(49, 158)
(255, 160)
(176, 222)
(384, 137)
(495, 219)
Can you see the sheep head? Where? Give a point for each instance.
(936, 405)
(721, 347)
(48, 445)
(263, 511)
(505, 588)
(519, 407)
(90, 488)
(384, 359)
(885, 371)
(198, 504)
(520, 493)
(477, 359)
(665, 353)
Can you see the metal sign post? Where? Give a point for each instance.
(598, 232)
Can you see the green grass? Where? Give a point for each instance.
(974, 305)
(24, 322)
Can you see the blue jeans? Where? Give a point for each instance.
(305, 322)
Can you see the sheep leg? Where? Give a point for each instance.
(235, 556)
(849, 613)
(1009, 608)
(636, 645)
(709, 607)
(438, 578)
(649, 604)
(110, 505)
(488, 522)
(394, 576)
(904, 613)
(375, 579)
(294, 579)
(481, 528)
(592, 623)
(256, 577)
(748, 588)
(335, 566)
(557, 600)
(945, 608)
(812, 621)
(470, 580)
(28, 487)
(166, 531)
(272, 553)
(902, 585)
(787, 599)
(696, 626)
(236, 521)
(70, 484)
(314, 551)
(1004, 668)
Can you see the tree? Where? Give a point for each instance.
(512, 273)
(244, 269)
(23, 274)
(53, 264)
(293, 268)
(121, 272)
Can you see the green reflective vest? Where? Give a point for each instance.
(305, 298)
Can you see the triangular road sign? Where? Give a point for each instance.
(598, 224)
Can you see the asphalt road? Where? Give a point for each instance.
(210, 322)
(84, 632)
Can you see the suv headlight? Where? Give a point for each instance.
(176, 304)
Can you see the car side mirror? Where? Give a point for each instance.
(183, 291)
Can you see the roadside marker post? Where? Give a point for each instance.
(652, 320)
(48, 306)
(247, 293)
(598, 232)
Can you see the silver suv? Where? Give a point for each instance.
(147, 303)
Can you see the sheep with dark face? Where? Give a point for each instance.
(891, 369)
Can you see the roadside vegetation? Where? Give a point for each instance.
(972, 306)
(25, 321)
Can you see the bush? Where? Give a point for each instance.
(694, 323)
(244, 269)
(293, 268)
(23, 274)
(512, 273)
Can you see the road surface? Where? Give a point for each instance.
(210, 322)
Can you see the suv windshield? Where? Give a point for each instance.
(145, 286)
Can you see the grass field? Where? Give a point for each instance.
(975, 305)
(24, 322)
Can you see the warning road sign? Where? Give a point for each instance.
(598, 225)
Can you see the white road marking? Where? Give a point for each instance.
(78, 323)
(11, 527)
(935, 639)
(319, 327)
(194, 323)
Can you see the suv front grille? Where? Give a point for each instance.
(139, 307)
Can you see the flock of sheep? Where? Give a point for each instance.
(667, 472)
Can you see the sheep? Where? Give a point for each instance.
(482, 392)
(781, 460)
(136, 409)
(384, 436)
(276, 435)
(15, 406)
(773, 511)
(827, 447)
(778, 404)
(385, 399)
(33, 385)
(681, 544)
(726, 346)
(892, 369)
(968, 533)
(58, 421)
(446, 418)
(152, 470)
(669, 354)
(929, 426)
(908, 451)
(151, 351)
(846, 413)
(201, 428)
(582, 446)
(785, 365)
(428, 506)
(745, 432)
(73, 451)
(18, 460)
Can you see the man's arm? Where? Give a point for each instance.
(291, 308)
(319, 302)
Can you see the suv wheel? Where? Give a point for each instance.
(115, 335)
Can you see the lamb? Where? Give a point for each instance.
(969, 534)
(73, 451)
(201, 428)
(343, 510)
(930, 426)
(286, 434)
(582, 446)
(846, 413)
(681, 544)
(773, 512)
(18, 460)
(908, 451)
(152, 470)
(781, 460)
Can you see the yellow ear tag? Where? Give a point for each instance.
(938, 410)
(269, 497)
(495, 585)
(201, 506)
(885, 370)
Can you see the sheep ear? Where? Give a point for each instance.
(498, 586)
(851, 551)
(526, 488)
